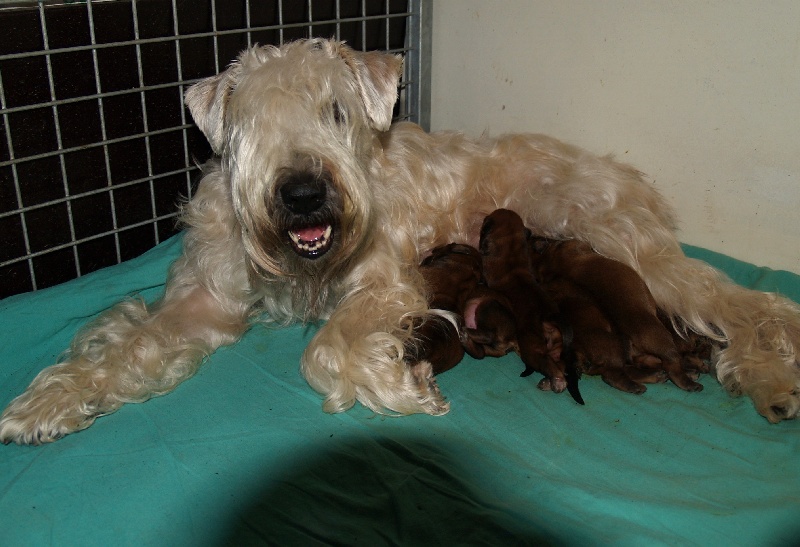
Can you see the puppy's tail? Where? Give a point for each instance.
(570, 359)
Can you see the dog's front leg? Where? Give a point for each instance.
(358, 354)
(134, 351)
(129, 353)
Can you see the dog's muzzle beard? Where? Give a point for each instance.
(309, 212)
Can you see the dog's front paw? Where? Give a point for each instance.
(430, 398)
(44, 416)
(20, 430)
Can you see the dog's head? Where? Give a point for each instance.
(296, 129)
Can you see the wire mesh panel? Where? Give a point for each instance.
(97, 149)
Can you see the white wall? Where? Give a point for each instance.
(703, 96)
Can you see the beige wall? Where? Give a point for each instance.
(703, 96)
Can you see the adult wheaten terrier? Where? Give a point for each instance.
(317, 208)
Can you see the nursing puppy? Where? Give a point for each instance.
(624, 298)
(453, 276)
(506, 268)
(599, 348)
(451, 273)
(489, 324)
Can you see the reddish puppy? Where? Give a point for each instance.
(506, 268)
(453, 277)
(624, 298)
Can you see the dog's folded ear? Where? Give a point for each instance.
(378, 75)
(207, 101)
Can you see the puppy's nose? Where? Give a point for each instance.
(303, 194)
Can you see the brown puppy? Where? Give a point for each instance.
(453, 278)
(489, 325)
(599, 348)
(506, 268)
(623, 296)
(449, 272)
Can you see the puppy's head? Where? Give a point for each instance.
(450, 272)
(503, 234)
(490, 327)
(454, 254)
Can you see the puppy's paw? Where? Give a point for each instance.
(682, 380)
(556, 385)
(623, 382)
(544, 384)
(647, 376)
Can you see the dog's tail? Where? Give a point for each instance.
(570, 359)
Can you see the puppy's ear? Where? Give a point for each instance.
(377, 75)
(207, 101)
(486, 228)
(473, 345)
(539, 244)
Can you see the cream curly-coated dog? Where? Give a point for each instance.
(317, 208)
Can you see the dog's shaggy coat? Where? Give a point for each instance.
(316, 208)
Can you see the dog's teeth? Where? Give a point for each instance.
(314, 245)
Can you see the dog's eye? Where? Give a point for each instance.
(338, 113)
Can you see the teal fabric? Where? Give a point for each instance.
(243, 454)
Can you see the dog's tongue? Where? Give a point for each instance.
(470, 311)
(312, 233)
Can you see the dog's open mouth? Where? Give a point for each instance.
(311, 241)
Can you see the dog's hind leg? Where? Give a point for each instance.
(759, 332)
(610, 206)
(624, 218)
(761, 357)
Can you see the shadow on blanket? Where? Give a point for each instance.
(378, 492)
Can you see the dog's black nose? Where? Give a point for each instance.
(303, 194)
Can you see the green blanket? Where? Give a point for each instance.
(243, 454)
